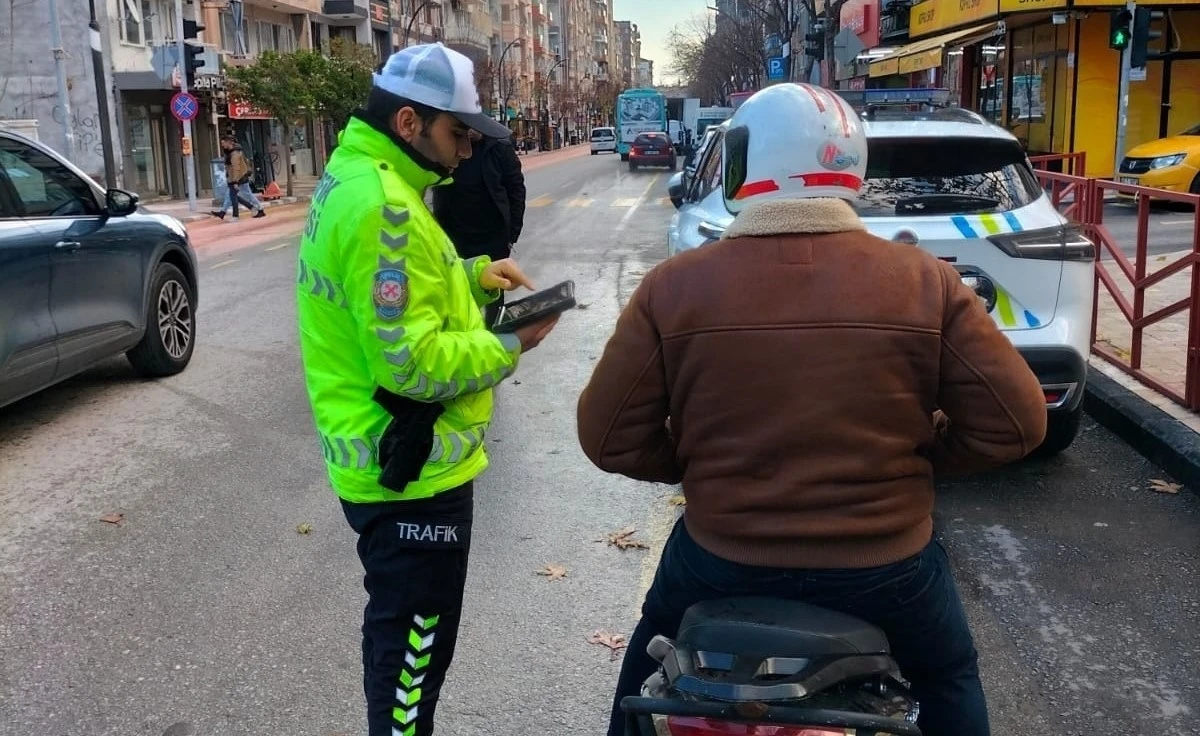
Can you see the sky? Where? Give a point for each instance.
(655, 19)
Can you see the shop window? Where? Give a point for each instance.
(993, 80)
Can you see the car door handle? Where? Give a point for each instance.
(709, 230)
(68, 245)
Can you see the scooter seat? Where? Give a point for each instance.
(773, 627)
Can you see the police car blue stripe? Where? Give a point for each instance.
(1013, 222)
(1033, 321)
(963, 226)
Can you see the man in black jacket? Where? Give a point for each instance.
(483, 210)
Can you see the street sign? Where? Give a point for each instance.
(184, 106)
(847, 46)
(776, 69)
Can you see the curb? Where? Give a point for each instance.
(1158, 436)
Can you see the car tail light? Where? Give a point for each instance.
(1066, 243)
(637, 151)
(687, 726)
(1054, 396)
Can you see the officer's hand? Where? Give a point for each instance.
(532, 335)
(503, 274)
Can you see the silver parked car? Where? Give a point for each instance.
(85, 274)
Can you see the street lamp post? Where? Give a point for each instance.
(413, 19)
(500, 73)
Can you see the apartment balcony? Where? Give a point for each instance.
(346, 9)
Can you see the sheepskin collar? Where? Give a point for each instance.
(795, 216)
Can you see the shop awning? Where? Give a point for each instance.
(926, 53)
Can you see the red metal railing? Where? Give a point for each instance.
(1086, 207)
(1072, 164)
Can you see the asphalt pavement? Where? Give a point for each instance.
(1170, 228)
(228, 597)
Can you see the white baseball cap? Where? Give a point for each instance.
(441, 78)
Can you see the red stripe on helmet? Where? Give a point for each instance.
(842, 115)
(816, 97)
(829, 179)
(750, 189)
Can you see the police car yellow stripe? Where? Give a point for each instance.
(990, 223)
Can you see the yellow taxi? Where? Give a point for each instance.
(1167, 163)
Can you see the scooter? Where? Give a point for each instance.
(772, 667)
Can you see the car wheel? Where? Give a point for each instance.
(1061, 430)
(593, 153)
(632, 166)
(624, 156)
(166, 347)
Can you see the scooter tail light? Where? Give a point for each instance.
(690, 726)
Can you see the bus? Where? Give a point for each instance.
(639, 110)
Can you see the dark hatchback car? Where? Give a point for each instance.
(85, 274)
(652, 149)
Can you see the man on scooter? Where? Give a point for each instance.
(816, 379)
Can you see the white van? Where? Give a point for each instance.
(604, 139)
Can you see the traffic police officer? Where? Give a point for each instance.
(400, 368)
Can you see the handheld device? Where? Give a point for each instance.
(536, 307)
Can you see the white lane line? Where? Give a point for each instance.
(1174, 223)
(277, 247)
(640, 201)
(222, 264)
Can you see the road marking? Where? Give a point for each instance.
(1173, 223)
(629, 212)
(541, 201)
(624, 202)
(222, 264)
(579, 202)
(277, 247)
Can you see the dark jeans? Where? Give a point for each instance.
(415, 555)
(913, 601)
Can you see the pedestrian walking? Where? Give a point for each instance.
(238, 173)
(483, 210)
(400, 368)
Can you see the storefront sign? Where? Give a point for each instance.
(862, 17)
(932, 16)
(858, 83)
(930, 59)
(885, 67)
(379, 13)
(209, 82)
(241, 110)
(1021, 6)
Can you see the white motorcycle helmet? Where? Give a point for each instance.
(793, 141)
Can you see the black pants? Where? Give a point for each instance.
(414, 554)
(913, 601)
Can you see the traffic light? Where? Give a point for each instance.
(1119, 32)
(814, 40)
(192, 49)
(1142, 34)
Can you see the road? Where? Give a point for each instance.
(206, 612)
(1170, 228)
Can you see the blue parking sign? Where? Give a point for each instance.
(775, 68)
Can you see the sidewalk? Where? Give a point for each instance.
(302, 188)
(1153, 423)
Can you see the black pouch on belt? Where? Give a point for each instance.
(407, 442)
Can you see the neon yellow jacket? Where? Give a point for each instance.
(384, 300)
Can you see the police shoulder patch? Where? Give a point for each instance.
(391, 293)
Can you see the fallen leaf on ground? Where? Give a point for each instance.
(303, 528)
(624, 539)
(112, 518)
(614, 642)
(1158, 485)
(677, 500)
(554, 572)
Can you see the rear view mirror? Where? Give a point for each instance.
(120, 203)
(675, 189)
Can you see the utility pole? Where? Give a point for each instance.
(60, 70)
(98, 67)
(1123, 95)
(391, 30)
(189, 162)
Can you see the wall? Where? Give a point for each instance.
(1095, 116)
(28, 86)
